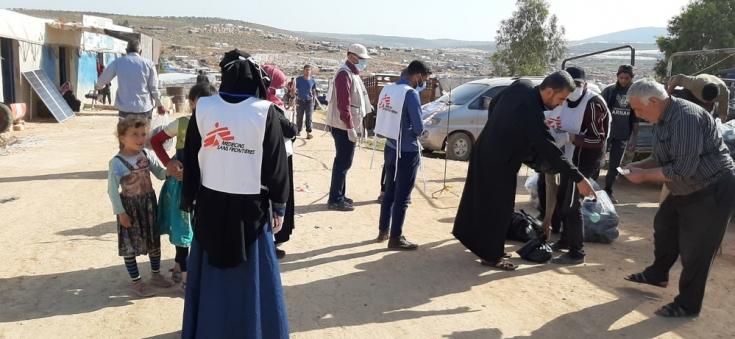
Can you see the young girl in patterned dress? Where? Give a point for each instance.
(134, 203)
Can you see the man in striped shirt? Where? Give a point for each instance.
(690, 158)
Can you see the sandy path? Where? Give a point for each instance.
(62, 278)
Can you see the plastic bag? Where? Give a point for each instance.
(600, 219)
(536, 250)
(727, 130)
(523, 227)
(532, 188)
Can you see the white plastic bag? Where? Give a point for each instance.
(727, 130)
(532, 188)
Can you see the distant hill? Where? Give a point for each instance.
(401, 42)
(643, 35)
(641, 38)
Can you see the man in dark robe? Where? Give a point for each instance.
(515, 128)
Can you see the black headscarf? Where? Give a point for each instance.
(242, 75)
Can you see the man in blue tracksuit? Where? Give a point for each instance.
(399, 121)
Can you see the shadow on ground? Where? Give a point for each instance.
(89, 175)
(369, 296)
(77, 292)
(92, 232)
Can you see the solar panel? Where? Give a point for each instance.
(49, 94)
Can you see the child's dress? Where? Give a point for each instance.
(171, 219)
(138, 199)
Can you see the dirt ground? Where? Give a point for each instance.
(61, 277)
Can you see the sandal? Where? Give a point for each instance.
(674, 310)
(176, 276)
(640, 278)
(500, 264)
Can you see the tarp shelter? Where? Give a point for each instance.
(64, 51)
(21, 49)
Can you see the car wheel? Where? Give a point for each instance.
(459, 146)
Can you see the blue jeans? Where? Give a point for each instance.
(304, 107)
(397, 189)
(345, 151)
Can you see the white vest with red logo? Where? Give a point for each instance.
(571, 121)
(390, 110)
(232, 143)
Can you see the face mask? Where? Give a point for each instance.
(280, 92)
(421, 87)
(361, 65)
(574, 96)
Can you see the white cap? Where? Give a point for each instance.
(359, 50)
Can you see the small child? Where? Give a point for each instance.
(171, 219)
(135, 203)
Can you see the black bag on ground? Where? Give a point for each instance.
(536, 250)
(523, 227)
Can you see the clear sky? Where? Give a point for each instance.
(454, 19)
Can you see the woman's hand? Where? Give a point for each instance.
(277, 223)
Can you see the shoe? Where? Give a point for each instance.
(159, 280)
(559, 245)
(280, 253)
(612, 199)
(349, 201)
(176, 276)
(383, 236)
(342, 206)
(309, 136)
(142, 289)
(568, 259)
(401, 244)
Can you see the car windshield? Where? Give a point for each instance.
(464, 93)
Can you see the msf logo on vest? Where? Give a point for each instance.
(222, 139)
(385, 104)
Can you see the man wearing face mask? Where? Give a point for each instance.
(399, 121)
(348, 104)
(515, 128)
(584, 115)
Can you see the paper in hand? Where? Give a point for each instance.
(623, 171)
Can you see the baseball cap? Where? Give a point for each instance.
(358, 50)
(577, 73)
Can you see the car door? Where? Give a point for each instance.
(479, 107)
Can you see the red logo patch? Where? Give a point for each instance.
(217, 136)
